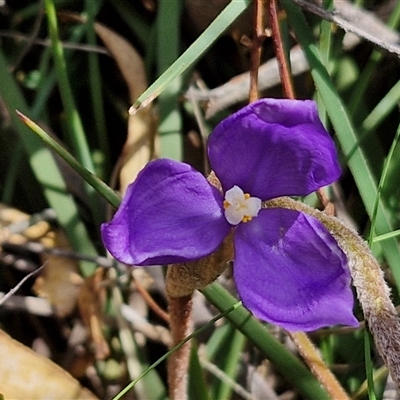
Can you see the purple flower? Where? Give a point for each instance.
(288, 268)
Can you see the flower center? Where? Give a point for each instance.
(240, 206)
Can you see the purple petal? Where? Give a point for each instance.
(170, 214)
(273, 148)
(289, 270)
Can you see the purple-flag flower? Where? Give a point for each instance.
(288, 268)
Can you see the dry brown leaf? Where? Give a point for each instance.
(60, 279)
(91, 299)
(14, 226)
(139, 146)
(127, 58)
(28, 375)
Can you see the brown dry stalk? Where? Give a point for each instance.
(256, 48)
(150, 301)
(180, 311)
(286, 80)
(317, 366)
(181, 281)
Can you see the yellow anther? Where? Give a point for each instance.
(226, 204)
(247, 218)
(247, 196)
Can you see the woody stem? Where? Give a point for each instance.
(180, 311)
(286, 80)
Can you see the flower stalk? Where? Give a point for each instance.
(181, 281)
(286, 80)
(181, 326)
(256, 48)
(372, 291)
(317, 366)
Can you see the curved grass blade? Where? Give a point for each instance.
(228, 310)
(382, 181)
(168, 46)
(110, 195)
(76, 134)
(46, 171)
(284, 361)
(386, 236)
(197, 387)
(193, 53)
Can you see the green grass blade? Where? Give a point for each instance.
(355, 103)
(285, 362)
(193, 53)
(109, 194)
(226, 311)
(382, 182)
(136, 24)
(383, 108)
(10, 180)
(168, 48)
(46, 170)
(325, 43)
(386, 236)
(229, 363)
(369, 367)
(197, 381)
(95, 84)
(225, 358)
(76, 132)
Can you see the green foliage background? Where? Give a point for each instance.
(77, 93)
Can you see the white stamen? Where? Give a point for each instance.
(239, 206)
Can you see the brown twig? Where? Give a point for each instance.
(327, 205)
(317, 366)
(18, 286)
(150, 301)
(31, 38)
(256, 48)
(286, 80)
(236, 90)
(365, 24)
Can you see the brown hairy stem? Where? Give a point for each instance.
(317, 366)
(181, 281)
(180, 311)
(372, 290)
